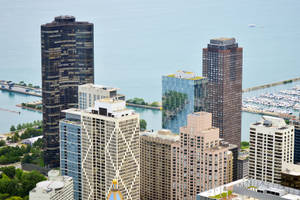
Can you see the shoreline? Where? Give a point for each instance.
(143, 106)
(29, 108)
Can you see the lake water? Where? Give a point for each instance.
(136, 42)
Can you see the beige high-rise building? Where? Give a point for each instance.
(110, 150)
(271, 145)
(159, 166)
(205, 161)
(89, 93)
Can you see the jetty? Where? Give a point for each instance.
(271, 85)
(14, 87)
(12, 111)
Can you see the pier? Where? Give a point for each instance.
(271, 85)
(12, 111)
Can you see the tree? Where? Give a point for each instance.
(9, 171)
(155, 104)
(143, 124)
(15, 198)
(12, 128)
(19, 127)
(29, 180)
(2, 143)
(4, 196)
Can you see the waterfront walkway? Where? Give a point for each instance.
(271, 85)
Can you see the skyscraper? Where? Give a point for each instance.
(67, 61)
(89, 93)
(222, 65)
(271, 145)
(205, 162)
(70, 148)
(182, 93)
(296, 124)
(159, 165)
(110, 150)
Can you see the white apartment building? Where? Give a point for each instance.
(89, 93)
(110, 150)
(271, 145)
(55, 188)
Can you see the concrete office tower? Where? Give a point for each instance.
(271, 144)
(296, 124)
(205, 162)
(222, 65)
(159, 165)
(67, 61)
(70, 148)
(182, 93)
(56, 188)
(110, 150)
(89, 93)
(290, 175)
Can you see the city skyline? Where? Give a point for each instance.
(95, 143)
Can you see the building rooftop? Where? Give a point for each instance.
(222, 41)
(110, 108)
(164, 134)
(100, 87)
(271, 122)
(292, 169)
(55, 182)
(252, 189)
(185, 75)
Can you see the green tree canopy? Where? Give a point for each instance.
(143, 124)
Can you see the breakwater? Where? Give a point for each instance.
(275, 114)
(271, 85)
(144, 106)
(12, 111)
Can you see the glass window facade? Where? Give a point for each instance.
(180, 97)
(70, 151)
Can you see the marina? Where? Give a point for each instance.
(282, 103)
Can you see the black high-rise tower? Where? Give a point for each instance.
(67, 61)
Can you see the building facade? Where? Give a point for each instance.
(290, 175)
(70, 148)
(159, 165)
(89, 93)
(271, 144)
(222, 65)
(182, 93)
(242, 166)
(110, 150)
(205, 162)
(296, 124)
(56, 188)
(67, 48)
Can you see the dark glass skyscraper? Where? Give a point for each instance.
(296, 124)
(67, 61)
(222, 65)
